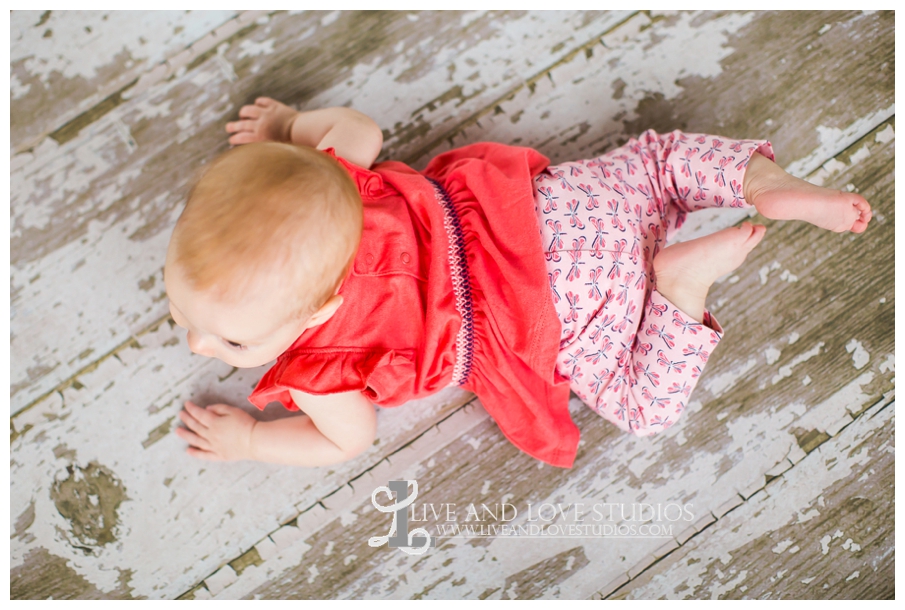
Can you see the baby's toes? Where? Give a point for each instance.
(860, 224)
(757, 235)
(856, 214)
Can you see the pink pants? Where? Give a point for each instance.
(630, 354)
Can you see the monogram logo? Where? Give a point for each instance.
(399, 536)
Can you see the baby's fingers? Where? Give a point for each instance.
(244, 137)
(236, 126)
(191, 423)
(193, 439)
(200, 414)
(250, 112)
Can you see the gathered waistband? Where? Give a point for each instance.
(458, 267)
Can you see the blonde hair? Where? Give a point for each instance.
(266, 204)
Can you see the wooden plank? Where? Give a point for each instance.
(98, 480)
(823, 530)
(753, 75)
(91, 217)
(63, 63)
(741, 429)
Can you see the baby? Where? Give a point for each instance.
(489, 270)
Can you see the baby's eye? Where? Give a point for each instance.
(235, 345)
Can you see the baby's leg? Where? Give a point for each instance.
(691, 172)
(697, 171)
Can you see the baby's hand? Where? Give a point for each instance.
(218, 432)
(267, 120)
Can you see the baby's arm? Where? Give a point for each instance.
(354, 136)
(334, 428)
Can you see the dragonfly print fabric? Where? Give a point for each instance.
(630, 354)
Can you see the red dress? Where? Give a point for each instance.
(449, 285)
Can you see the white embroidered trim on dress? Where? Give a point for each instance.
(461, 286)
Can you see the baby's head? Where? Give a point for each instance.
(258, 255)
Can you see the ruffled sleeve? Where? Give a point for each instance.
(370, 184)
(376, 373)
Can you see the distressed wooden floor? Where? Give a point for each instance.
(784, 464)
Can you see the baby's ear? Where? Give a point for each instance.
(325, 312)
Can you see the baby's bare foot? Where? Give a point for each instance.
(779, 196)
(266, 120)
(686, 271)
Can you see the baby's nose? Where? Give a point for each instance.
(199, 345)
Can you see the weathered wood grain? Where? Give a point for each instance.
(91, 217)
(98, 480)
(800, 80)
(64, 62)
(820, 531)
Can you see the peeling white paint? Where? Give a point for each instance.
(788, 276)
(475, 443)
(786, 371)
(226, 68)
(717, 384)
(782, 546)
(888, 365)
(793, 494)
(807, 515)
(330, 18)
(849, 545)
(860, 356)
(250, 48)
(826, 171)
(273, 491)
(772, 355)
(16, 88)
(887, 134)
(82, 43)
(860, 155)
(834, 408)
(833, 140)
(348, 517)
